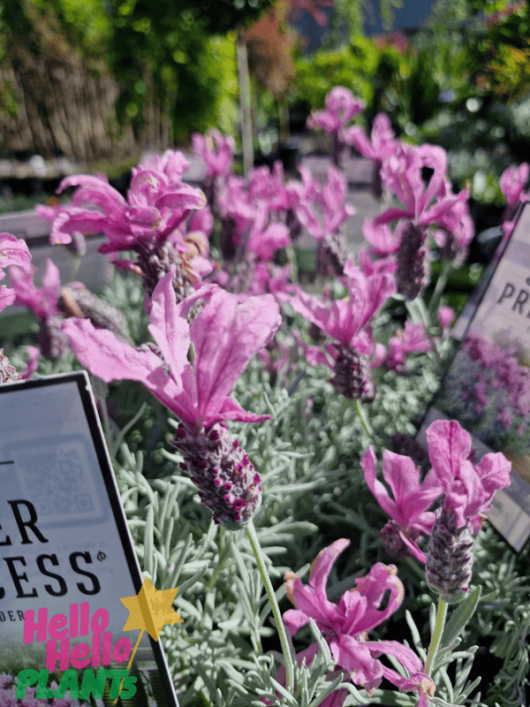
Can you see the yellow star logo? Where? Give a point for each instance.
(150, 610)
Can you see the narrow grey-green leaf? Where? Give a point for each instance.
(460, 616)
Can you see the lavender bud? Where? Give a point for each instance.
(227, 483)
(244, 274)
(228, 239)
(332, 254)
(338, 149)
(377, 182)
(293, 224)
(412, 266)
(392, 541)
(51, 339)
(316, 334)
(449, 562)
(157, 262)
(8, 373)
(352, 376)
(408, 446)
(80, 302)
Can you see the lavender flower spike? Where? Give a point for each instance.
(409, 509)
(225, 335)
(412, 272)
(226, 479)
(469, 491)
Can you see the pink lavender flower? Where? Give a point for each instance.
(216, 150)
(345, 625)
(456, 227)
(341, 107)
(347, 321)
(381, 147)
(50, 303)
(331, 200)
(446, 316)
(512, 183)
(44, 302)
(154, 208)
(269, 186)
(147, 222)
(468, 489)
(401, 173)
(224, 336)
(423, 205)
(252, 225)
(409, 510)
(412, 339)
(323, 211)
(266, 238)
(13, 252)
(172, 164)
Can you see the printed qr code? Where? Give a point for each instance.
(60, 482)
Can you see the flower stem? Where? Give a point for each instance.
(364, 420)
(441, 282)
(436, 635)
(291, 256)
(260, 559)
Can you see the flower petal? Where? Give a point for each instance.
(494, 473)
(368, 464)
(449, 447)
(231, 410)
(33, 363)
(7, 297)
(322, 564)
(107, 357)
(170, 331)
(355, 657)
(294, 620)
(13, 251)
(226, 335)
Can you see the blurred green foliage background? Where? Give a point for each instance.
(461, 80)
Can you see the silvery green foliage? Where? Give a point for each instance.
(219, 655)
(504, 616)
(313, 493)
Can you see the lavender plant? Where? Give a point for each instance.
(225, 509)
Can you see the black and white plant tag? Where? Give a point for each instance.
(66, 556)
(487, 385)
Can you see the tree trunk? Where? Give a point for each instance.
(245, 103)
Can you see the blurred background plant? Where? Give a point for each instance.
(143, 77)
